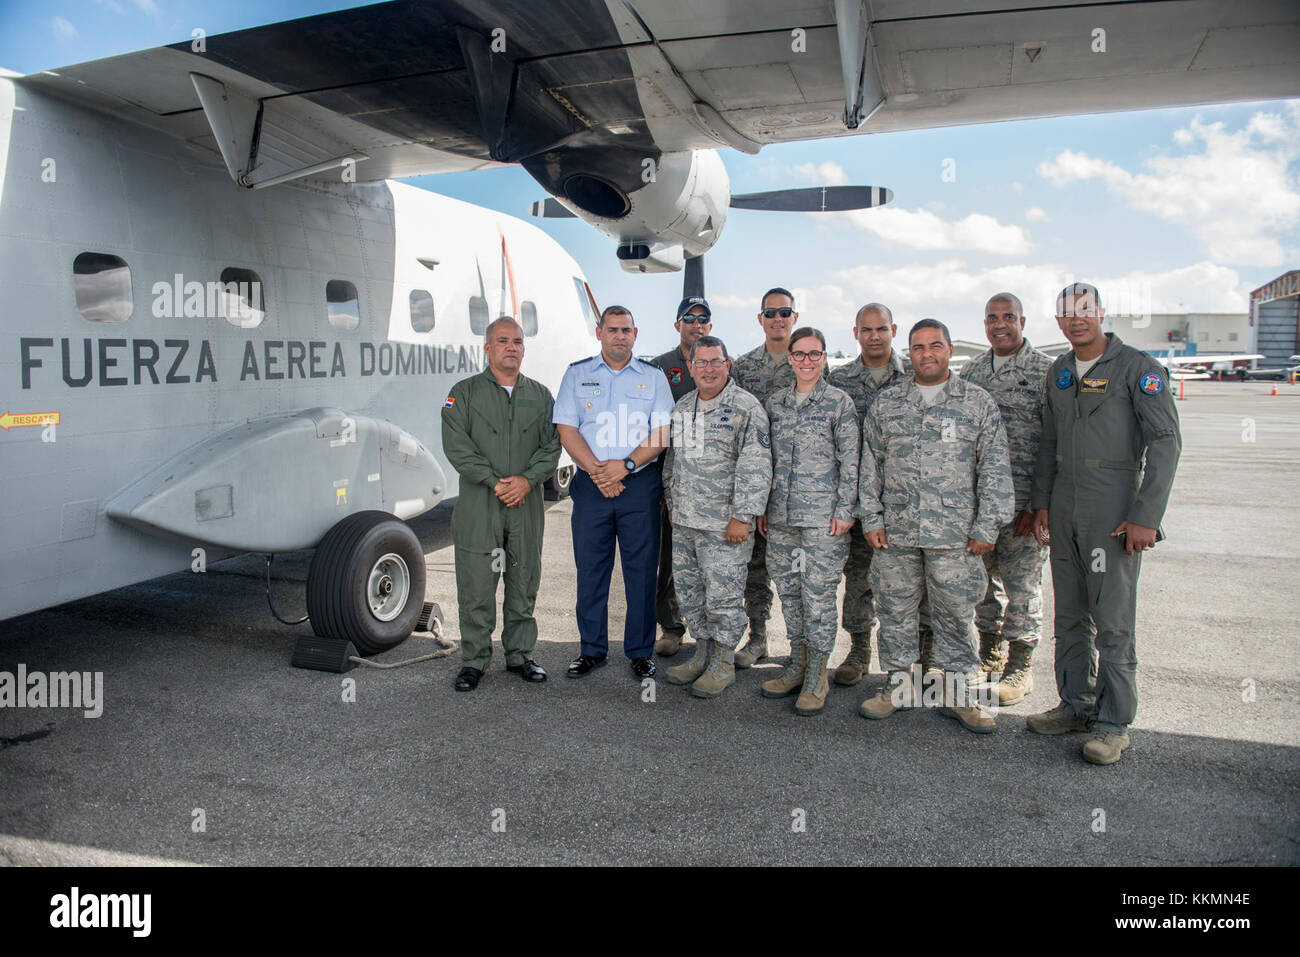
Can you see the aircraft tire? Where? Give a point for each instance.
(366, 582)
(557, 486)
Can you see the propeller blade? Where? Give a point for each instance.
(693, 278)
(815, 199)
(550, 208)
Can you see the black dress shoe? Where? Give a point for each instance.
(584, 665)
(643, 667)
(468, 678)
(529, 670)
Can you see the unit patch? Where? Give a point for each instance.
(1152, 383)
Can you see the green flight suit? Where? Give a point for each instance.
(487, 435)
(1109, 450)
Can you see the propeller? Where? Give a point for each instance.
(814, 199)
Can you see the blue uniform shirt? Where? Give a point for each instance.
(613, 411)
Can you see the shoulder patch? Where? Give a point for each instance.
(1065, 379)
(1152, 383)
(448, 402)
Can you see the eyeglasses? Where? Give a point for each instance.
(692, 320)
(709, 363)
(813, 356)
(773, 313)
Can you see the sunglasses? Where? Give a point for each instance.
(773, 313)
(692, 320)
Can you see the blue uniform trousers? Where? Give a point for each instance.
(631, 519)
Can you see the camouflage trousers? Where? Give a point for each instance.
(1013, 605)
(859, 605)
(953, 579)
(806, 564)
(709, 575)
(758, 584)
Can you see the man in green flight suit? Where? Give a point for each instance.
(497, 433)
(1105, 468)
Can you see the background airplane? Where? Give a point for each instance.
(155, 426)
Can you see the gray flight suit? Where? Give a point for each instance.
(1109, 451)
(815, 451)
(677, 369)
(760, 374)
(487, 435)
(859, 608)
(932, 477)
(718, 467)
(1013, 606)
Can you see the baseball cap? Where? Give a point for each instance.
(690, 301)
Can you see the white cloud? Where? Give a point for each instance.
(1237, 194)
(922, 229)
(149, 7)
(955, 293)
(62, 27)
(1036, 214)
(111, 5)
(918, 228)
(821, 174)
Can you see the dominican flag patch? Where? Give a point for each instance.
(448, 402)
(1152, 383)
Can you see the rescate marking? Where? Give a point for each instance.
(25, 420)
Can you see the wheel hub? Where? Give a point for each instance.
(389, 587)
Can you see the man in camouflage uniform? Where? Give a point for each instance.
(935, 488)
(1013, 373)
(716, 479)
(816, 442)
(877, 368)
(760, 372)
(694, 319)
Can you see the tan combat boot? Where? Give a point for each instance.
(720, 674)
(1060, 720)
(1017, 679)
(1105, 747)
(669, 644)
(812, 698)
(756, 650)
(790, 680)
(961, 703)
(854, 667)
(899, 693)
(692, 668)
(991, 658)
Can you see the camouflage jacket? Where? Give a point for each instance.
(719, 465)
(933, 476)
(760, 373)
(853, 378)
(677, 369)
(1017, 388)
(815, 450)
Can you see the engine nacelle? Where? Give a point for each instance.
(676, 211)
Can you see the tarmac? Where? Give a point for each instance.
(211, 749)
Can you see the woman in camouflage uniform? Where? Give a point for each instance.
(815, 445)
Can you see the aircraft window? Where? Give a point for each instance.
(478, 315)
(342, 306)
(243, 304)
(1202, 337)
(528, 317)
(103, 287)
(584, 301)
(421, 310)
(1232, 337)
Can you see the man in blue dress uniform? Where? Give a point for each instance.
(613, 413)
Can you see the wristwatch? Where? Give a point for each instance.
(631, 466)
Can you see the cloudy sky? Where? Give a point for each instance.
(1166, 211)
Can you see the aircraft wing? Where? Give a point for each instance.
(1203, 360)
(427, 86)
